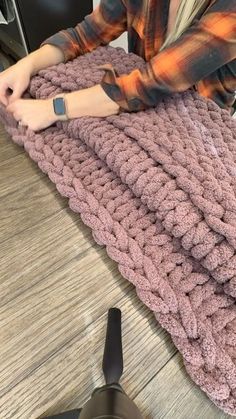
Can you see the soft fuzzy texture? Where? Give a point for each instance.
(158, 189)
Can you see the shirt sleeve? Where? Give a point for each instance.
(203, 48)
(107, 22)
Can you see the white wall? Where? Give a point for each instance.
(122, 40)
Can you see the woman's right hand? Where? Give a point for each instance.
(16, 78)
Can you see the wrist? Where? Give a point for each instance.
(27, 64)
(59, 107)
(50, 110)
(92, 101)
(73, 105)
(33, 61)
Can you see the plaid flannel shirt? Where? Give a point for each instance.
(204, 57)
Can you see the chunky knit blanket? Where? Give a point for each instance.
(158, 189)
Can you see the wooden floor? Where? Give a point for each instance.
(56, 286)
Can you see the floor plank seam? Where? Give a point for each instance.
(42, 220)
(23, 152)
(157, 373)
(44, 278)
(57, 350)
(16, 190)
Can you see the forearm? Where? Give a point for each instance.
(106, 23)
(90, 102)
(206, 46)
(43, 57)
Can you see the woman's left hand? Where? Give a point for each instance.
(32, 113)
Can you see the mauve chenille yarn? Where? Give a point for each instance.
(158, 189)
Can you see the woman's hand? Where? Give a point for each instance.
(15, 79)
(35, 114)
(39, 114)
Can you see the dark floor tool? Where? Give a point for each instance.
(109, 401)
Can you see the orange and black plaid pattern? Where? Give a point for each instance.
(204, 57)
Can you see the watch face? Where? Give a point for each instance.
(59, 106)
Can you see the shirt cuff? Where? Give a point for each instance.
(115, 87)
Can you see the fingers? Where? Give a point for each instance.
(7, 99)
(13, 108)
(17, 116)
(16, 109)
(3, 93)
(17, 92)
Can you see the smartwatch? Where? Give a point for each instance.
(59, 106)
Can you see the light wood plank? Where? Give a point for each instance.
(9, 152)
(17, 173)
(73, 372)
(27, 206)
(34, 254)
(46, 309)
(172, 394)
(8, 149)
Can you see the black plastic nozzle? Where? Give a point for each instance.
(113, 357)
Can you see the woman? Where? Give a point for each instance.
(185, 43)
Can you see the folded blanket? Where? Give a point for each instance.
(158, 189)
